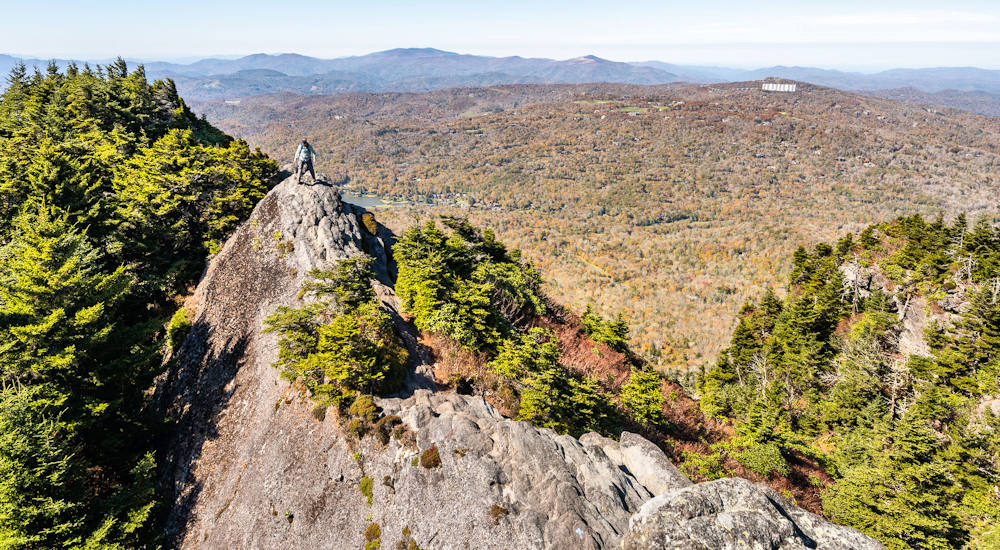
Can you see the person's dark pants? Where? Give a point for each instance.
(303, 166)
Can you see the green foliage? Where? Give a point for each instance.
(373, 536)
(553, 398)
(364, 408)
(177, 200)
(178, 328)
(550, 396)
(614, 333)
(342, 345)
(55, 300)
(38, 476)
(406, 541)
(529, 353)
(110, 192)
(366, 486)
(464, 283)
(905, 496)
(764, 458)
(913, 454)
(349, 281)
(705, 467)
(643, 396)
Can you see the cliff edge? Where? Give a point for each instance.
(250, 465)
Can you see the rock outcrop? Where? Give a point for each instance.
(250, 464)
(734, 514)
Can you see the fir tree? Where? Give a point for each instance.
(643, 396)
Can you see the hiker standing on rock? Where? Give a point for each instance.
(304, 156)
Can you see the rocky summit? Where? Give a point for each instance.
(250, 464)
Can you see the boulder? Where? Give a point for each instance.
(734, 514)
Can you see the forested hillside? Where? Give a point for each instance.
(112, 194)
(672, 205)
(864, 387)
(882, 362)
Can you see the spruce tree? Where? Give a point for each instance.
(643, 396)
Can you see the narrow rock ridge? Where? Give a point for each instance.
(248, 464)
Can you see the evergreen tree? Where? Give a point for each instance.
(40, 482)
(342, 345)
(79, 333)
(643, 396)
(55, 302)
(464, 284)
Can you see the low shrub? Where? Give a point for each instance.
(178, 329)
(407, 542)
(430, 458)
(366, 486)
(319, 411)
(373, 536)
(497, 512)
(703, 467)
(385, 427)
(763, 458)
(356, 428)
(364, 408)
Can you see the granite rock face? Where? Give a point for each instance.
(251, 464)
(734, 514)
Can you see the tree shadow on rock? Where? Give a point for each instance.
(191, 394)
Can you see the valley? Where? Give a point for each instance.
(670, 204)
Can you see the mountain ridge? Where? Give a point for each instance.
(425, 69)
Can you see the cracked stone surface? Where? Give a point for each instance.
(734, 514)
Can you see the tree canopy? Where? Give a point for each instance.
(908, 436)
(112, 194)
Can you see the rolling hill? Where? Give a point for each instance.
(673, 205)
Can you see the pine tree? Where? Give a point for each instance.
(55, 302)
(40, 482)
(643, 397)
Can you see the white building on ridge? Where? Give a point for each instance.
(776, 87)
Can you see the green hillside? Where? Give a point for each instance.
(112, 194)
(910, 438)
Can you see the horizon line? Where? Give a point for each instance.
(191, 59)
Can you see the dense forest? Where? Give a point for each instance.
(673, 205)
(112, 195)
(882, 362)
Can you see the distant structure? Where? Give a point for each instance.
(776, 87)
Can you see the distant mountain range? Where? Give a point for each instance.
(424, 69)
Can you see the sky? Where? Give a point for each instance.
(847, 34)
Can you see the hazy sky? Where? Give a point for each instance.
(844, 34)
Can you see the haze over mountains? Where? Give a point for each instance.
(425, 69)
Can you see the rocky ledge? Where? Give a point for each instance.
(251, 465)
